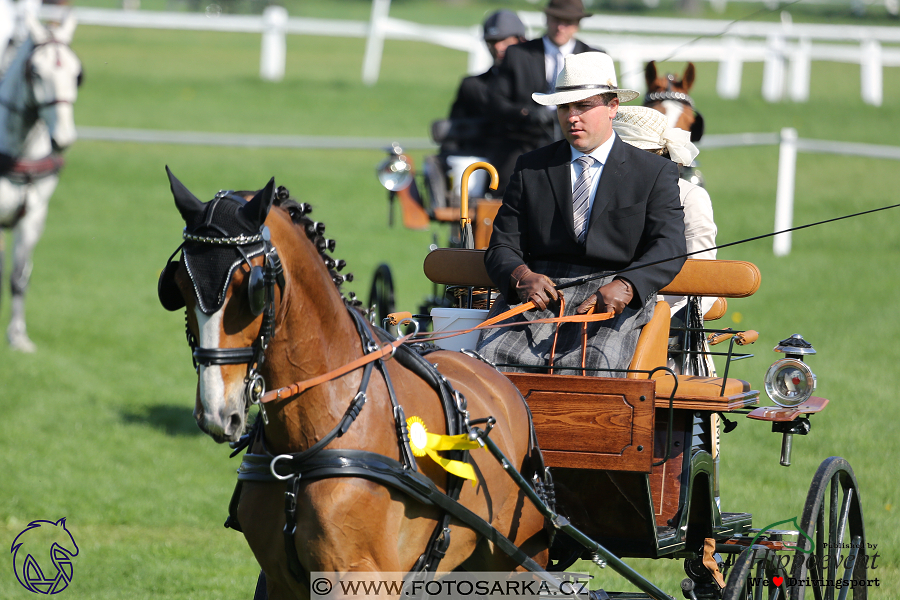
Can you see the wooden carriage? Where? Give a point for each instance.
(635, 460)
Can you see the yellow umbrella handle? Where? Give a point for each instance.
(464, 188)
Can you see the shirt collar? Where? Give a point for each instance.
(600, 153)
(550, 48)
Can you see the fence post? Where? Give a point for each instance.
(728, 85)
(799, 71)
(631, 66)
(773, 69)
(784, 194)
(375, 41)
(871, 72)
(274, 48)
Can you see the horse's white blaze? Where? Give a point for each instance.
(212, 385)
(673, 111)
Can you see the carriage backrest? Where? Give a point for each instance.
(713, 278)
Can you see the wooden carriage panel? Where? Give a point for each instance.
(591, 422)
(666, 479)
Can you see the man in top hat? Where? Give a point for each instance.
(533, 67)
(590, 204)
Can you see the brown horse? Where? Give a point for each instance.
(670, 96)
(262, 305)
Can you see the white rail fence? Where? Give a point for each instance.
(787, 140)
(785, 49)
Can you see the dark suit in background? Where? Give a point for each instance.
(524, 125)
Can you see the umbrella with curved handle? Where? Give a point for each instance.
(465, 223)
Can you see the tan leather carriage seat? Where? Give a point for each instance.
(709, 278)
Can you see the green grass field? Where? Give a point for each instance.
(98, 424)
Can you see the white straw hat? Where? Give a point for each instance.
(585, 75)
(648, 129)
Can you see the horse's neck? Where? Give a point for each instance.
(315, 335)
(23, 135)
(18, 135)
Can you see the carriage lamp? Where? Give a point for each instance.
(394, 172)
(789, 383)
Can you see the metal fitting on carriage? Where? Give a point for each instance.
(597, 560)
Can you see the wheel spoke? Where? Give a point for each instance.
(815, 573)
(760, 574)
(855, 543)
(832, 545)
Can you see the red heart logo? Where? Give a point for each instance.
(777, 581)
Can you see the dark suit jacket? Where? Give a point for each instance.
(636, 218)
(522, 73)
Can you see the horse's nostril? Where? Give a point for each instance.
(234, 424)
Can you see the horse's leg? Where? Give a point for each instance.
(27, 233)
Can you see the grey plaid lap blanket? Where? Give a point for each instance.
(610, 344)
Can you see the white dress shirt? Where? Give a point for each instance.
(600, 156)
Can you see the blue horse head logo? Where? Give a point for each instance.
(42, 556)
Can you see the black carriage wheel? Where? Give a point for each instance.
(753, 576)
(381, 294)
(832, 518)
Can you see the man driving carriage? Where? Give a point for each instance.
(588, 205)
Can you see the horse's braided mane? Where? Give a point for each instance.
(314, 231)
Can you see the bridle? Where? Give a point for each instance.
(260, 295)
(682, 98)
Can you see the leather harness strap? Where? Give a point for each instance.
(301, 386)
(386, 471)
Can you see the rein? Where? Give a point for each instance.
(390, 348)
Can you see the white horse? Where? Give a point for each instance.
(37, 93)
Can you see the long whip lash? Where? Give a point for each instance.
(588, 278)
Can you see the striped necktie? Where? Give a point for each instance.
(581, 193)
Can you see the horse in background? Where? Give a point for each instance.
(671, 96)
(37, 94)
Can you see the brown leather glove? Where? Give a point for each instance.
(535, 287)
(612, 297)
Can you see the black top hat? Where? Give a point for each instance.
(566, 9)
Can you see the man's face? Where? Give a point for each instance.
(560, 31)
(497, 48)
(587, 123)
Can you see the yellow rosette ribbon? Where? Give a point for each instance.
(421, 442)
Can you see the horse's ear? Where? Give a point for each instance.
(36, 29)
(258, 208)
(650, 74)
(188, 204)
(688, 80)
(66, 29)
